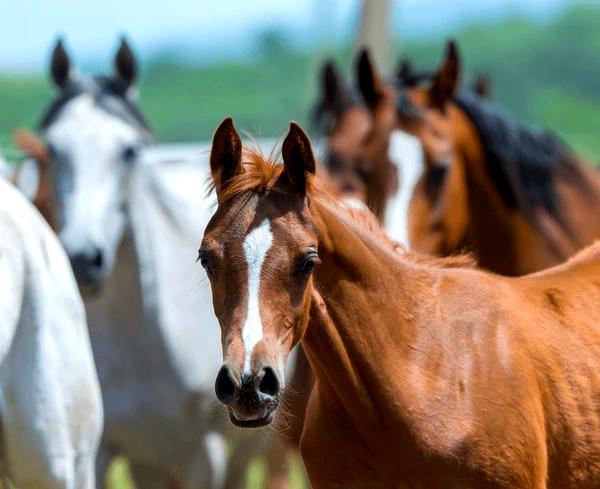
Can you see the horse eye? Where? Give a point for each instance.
(130, 153)
(203, 259)
(362, 171)
(308, 263)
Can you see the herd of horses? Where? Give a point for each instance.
(416, 309)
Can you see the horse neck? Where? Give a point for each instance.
(120, 304)
(493, 232)
(363, 319)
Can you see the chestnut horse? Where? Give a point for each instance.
(384, 184)
(429, 373)
(344, 120)
(517, 198)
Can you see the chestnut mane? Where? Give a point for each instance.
(261, 174)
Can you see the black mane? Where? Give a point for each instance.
(111, 94)
(522, 162)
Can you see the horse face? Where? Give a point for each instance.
(259, 251)
(439, 214)
(378, 153)
(94, 148)
(344, 159)
(346, 122)
(424, 109)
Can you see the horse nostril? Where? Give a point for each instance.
(269, 384)
(97, 259)
(224, 386)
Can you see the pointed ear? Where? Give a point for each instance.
(445, 81)
(330, 83)
(483, 87)
(404, 70)
(60, 66)
(125, 63)
(369, 84)
(334, 98)
(225, 155)
(298, 158)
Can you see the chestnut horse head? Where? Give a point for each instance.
(490, 185)
(341, 116)
(259, 251)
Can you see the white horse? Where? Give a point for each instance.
(50, 404)
(124, 212)
(6, 171)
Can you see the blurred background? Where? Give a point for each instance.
(258, 61)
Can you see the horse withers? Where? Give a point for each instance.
(430, 373)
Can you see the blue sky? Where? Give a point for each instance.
(210, 29)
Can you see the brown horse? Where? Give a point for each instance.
(518, 199)
(345, 121)
(34, 148)
(429, 374)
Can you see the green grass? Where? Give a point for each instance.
(120, 478)
(546, 74)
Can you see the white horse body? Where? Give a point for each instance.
(5, 169)
(49, 394)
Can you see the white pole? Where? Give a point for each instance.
(375, 31)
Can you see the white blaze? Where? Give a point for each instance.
(406, 154)
(256, 246)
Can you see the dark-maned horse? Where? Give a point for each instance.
(517, 198)
(429, 373)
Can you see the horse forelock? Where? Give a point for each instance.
(261, 174)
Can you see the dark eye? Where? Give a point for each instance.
(362, 171)
(438, 173)
(130, 153)
(204, 260)
(307, 263)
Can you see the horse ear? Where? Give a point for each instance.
(335, 97)
(369, 83)
(60, 66)
(482, 86)
(225, 155)
(445, 81)
(125, 63)
(404, 70)
(330, 83)
(298, 157)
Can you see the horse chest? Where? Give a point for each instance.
(351, 453)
